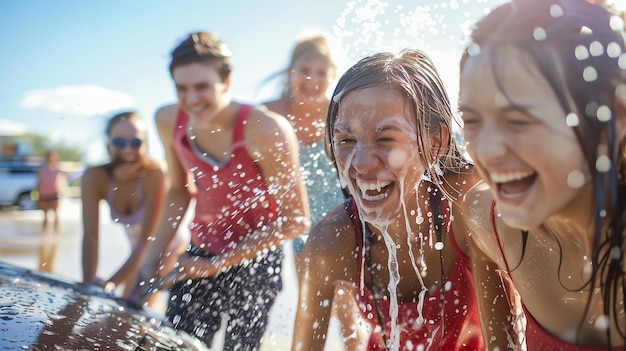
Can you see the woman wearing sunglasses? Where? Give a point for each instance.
(134, 186)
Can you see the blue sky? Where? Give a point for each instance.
(68, 65)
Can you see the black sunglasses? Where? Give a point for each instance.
(122, 143)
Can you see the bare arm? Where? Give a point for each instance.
(90, 196)
(155, 186)
(176, 198)
(493, 307)
(328, 256)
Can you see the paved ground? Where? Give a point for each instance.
(20, 239)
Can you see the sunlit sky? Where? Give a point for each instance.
(69, 65)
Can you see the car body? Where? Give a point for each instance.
(42, 311)
(17, 182)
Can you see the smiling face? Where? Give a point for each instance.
(376, 151)
(310, 76)
(522, 144)
(200, 89)
(127, 151)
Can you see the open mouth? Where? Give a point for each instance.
(375, 191)
(515, 184)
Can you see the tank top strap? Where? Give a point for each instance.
(243, 112)
(110, 195)
(180, 126)
(350, 206)
(495, 232)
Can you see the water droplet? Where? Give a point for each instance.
(616, 253)
(596, 48)
(603, 163)
(621, 62)
(613, 50)
(602, 323)
(473, 49)
(581, 52)
(603, 114)
(616, 23)
(539, 34)
(572, 119)
(584, 30)
(575, 179)
(590, 74)
(556, 11)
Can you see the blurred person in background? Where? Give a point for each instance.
(134, 187)
(304, 102)
(51, 184)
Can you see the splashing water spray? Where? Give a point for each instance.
(377, 218)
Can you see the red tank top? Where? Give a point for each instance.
(232, 200)
(536, 337)
(461, 327)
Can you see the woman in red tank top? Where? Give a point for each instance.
(392, 263)
(543, 100)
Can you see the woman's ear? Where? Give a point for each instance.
(227, 82)
(440, 141)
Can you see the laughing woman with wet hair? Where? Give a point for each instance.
(392, 261)
(543, 100)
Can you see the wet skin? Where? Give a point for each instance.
(535, 171)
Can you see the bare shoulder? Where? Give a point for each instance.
(96, 174)
(154, 166)
(266, 127)
(274, 105)
(95, 181)
(477, 207)
(154, 172)
(332, 242)
(477, 217)
(166, 115)
(265, 117)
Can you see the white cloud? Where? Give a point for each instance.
(81, 100)
(96, 152)
(10, 128)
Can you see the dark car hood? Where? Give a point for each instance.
(40, 311)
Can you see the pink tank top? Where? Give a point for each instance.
(132, 218)
(232, 199)
(537, 338)
(461, 326)
(48, 182)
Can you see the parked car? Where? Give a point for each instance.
(42, 311)
(17, 183)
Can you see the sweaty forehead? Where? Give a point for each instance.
(372, 108)
(311, 58)
(498, 74)
(196, 73)
(374, 97)
(128, 127)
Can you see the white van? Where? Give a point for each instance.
(17, 182)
